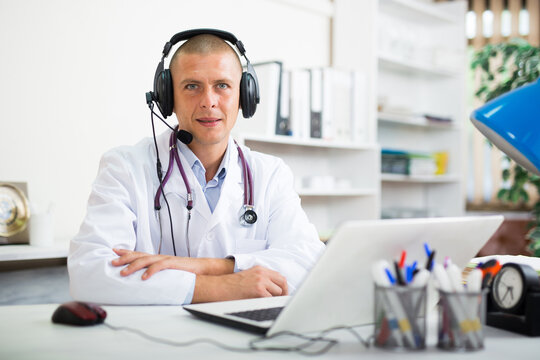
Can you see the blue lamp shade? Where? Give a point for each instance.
(512, 123)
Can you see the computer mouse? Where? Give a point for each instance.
(79, 313)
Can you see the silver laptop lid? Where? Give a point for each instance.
(339, 289)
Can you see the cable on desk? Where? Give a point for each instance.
(254, 345)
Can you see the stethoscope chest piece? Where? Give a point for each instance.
(249, 217)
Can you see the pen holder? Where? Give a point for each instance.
(461, 320)
(400, 317)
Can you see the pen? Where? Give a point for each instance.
(429, 263)
(474, 281)
(399, 275)
(489, 269)
(390, 276)
(427, 249)
(411, 271)
(402, 259)
(380, 269)
(469, 307)
(456, 308)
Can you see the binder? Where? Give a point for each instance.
(283, 126)
(359, 126)
(337, 120)
(316, 102)
(265, 121)
(300, 103)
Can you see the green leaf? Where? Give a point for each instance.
(534, 234)
(503, 195)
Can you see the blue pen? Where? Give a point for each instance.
(390, 276)
(427, 249)
(410, 271)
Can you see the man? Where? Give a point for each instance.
(124, 254)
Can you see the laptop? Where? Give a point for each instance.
(338, 291)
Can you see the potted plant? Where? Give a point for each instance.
(504, 67)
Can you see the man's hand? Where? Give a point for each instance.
(154, 263)
(252, 283)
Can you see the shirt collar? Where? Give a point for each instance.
(193, 161)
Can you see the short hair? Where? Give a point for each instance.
(205, 44)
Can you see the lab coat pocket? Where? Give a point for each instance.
(245, 246)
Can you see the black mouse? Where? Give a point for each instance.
(79, 313)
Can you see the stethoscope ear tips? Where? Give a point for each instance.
(248, 218)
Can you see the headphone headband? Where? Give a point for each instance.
(188, 34)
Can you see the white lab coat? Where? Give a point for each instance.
(120, 214)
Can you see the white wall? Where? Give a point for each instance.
(73, 75)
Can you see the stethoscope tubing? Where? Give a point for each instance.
(175, 157)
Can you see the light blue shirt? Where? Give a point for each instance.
(211, 189)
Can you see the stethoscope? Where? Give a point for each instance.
(249, 217)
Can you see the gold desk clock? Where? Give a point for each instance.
(14, 213)
(514, 301)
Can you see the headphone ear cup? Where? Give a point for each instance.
(164, 90)
(248, 95)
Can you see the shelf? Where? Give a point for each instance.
(420, 179)
(417, 11)
(28, 252)
(415, 68)
(413, 121)
(338, 192)
(287, 140)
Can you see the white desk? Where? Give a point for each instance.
(59, 249)
(26, 332)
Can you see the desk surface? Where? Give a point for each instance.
(59, 249)
(26, 332)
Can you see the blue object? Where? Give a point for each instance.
(390, 276)
(512, 123)
(427, 249)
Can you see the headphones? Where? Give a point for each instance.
(163, 86)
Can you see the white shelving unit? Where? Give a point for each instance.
(415, 53)
(424, 74)
(332, 184)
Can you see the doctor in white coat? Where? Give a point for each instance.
(124, 252)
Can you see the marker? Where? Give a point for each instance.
(489, 269)
(390, 276)
(467, 327)
(427, 249)
(382, 276)
(421, 278)
(474, 281)
(429, 262)
(399, 275)
(402, 259)
(454, 275)
(411, 271)
(469, 305)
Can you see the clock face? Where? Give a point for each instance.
(508, 288)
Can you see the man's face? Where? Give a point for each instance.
(206, 95)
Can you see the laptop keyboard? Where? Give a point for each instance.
(260, 314)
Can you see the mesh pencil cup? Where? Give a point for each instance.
(461, 320)
(400, 317)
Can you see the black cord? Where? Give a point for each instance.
(253, 345)
(160, 174)
(177, 343)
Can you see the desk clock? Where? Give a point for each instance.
(515, 300)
